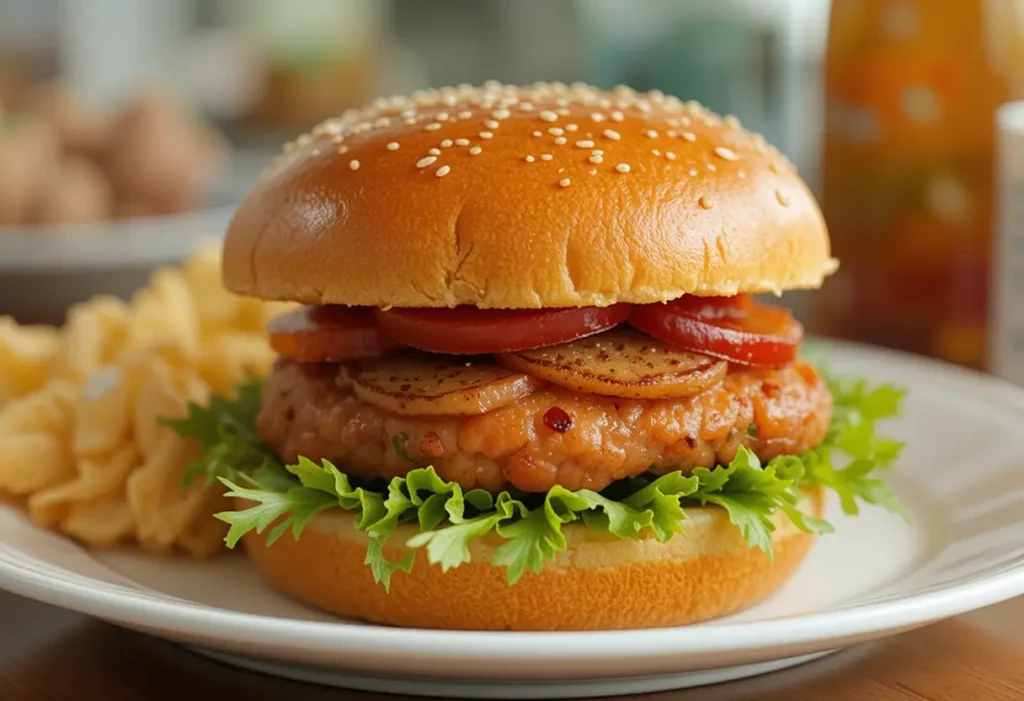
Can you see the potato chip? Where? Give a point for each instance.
(101, 523)
(25, 356)
(163, 315)
(205, 536)
(95, 478)
(35, 436)
(84, 449)
(162, 396)
(216, 308)
(102, 413)
(161, 505)
(95, 334)
(233, 358)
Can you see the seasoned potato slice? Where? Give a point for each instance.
(621, 363)
(421, 385)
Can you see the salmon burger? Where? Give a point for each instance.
(530, 380)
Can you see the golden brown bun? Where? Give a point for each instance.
(599, 583)
(705, 207)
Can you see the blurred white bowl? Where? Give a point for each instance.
(45, 270)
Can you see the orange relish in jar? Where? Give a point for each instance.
(912, 87)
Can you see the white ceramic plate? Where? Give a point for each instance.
(128, 243)
(961, 478)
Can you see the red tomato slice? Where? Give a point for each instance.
(737, 328)
(470, 331)
(328, 334)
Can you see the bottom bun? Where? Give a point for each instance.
(599, 583)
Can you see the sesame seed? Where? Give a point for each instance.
(711, 167)
(585, 143)
(382, 122)
(565, 182)
(447, 143)
(622, 167)
(546, 156)
(725, 153)
(598, 151)
(656, 152)
(651, 134)
(612, 134)
(424, 162)
(442, 116)
(393, 146)
(443, 171)
(782, 198)
(562, 111)
(529, 158)
(537, 133)
(433, 126)
(617, 116)
(492, 123)
(337, 139)
(688, 136)
(670, 156)
(597, 116)
(526, 106)
(596, 159)
(560, 140)
(353, 164)
(409, 120)
(704, 202)
(486, 135)
(465, 114)
(475, 151)
(342, 150)
(501, 114)
(693, 171)
(571, 127)
(741, 174)
(548, 116)
(462, 142)
(556, 131)
(592, 171)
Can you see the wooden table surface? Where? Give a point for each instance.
(47, 654)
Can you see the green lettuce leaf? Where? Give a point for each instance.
(442, 520)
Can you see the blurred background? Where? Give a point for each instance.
(129, 128)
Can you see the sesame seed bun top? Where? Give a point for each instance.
(543, 196)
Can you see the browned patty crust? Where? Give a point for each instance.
(597, 440)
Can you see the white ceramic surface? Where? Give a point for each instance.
(961, 477)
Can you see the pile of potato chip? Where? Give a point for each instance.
(81, 444)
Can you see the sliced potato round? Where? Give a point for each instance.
(421, 385)
(621, 363)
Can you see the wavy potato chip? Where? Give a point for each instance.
(80, 407)
(100, 523)
(95, 478)
(164, 314)
(26, 353)
(95, 334)
(35, 439)
(161, 505)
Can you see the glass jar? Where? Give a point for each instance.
(912, 88)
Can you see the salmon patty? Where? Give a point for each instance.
(553, 436)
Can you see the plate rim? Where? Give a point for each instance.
(827, 627)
